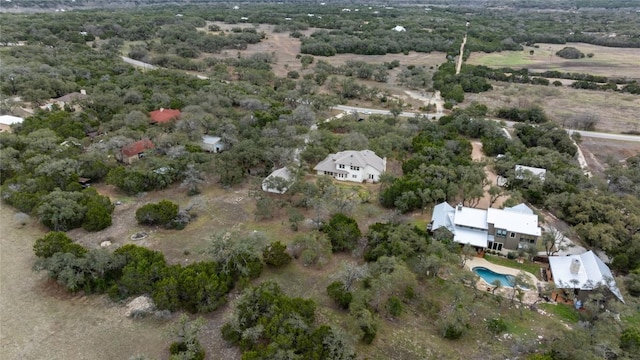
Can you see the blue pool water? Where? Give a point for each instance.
(491, 276)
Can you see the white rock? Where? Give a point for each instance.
(140, 307)
(105, 243)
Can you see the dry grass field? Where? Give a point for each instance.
(606, 61)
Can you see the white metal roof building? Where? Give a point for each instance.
(477, 226)
(7, 120)
(522, 170)
(585, 272)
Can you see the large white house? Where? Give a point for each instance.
(510, 228)
(356, 166)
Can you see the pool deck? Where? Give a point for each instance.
(530, 295)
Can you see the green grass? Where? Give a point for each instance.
(505, 58)
(562, 311)
(526, 266)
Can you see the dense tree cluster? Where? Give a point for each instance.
(268, 324)
(132, 270)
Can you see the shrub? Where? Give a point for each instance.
(339, 295)
(276, 255)
(630, 340)
(394, 306)
(161, 213)
(496, 326)
(98, 216)
(55, 242)
(343, 232)
(570, 53)
(180, 350)
(511, 255)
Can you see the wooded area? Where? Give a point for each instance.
(266, 122)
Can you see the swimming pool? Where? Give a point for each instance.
(490, 276)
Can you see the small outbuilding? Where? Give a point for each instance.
(163, 115)
(212, 144)
(278, 182)
(7, 120)
(134, 151)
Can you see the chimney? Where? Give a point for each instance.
(575, 266)
(459, 207)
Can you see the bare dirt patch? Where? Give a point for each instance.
(286, 48)
(615, 112)
(599, 152)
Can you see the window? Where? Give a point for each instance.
(355, 176)
(501, 232)
(341, 166)
(513, 234)
(532, 241)
(356, 168)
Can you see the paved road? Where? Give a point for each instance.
(600, 135)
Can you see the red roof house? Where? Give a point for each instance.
(134, 151)
(164, 115)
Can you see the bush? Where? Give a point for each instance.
(453, 331)
(511, 255)
(496, 326)
(630, 340)
(98, 217)
(181, 350)
(276, 255)
(161, 213)
(343, 232)
(55, 242)
(394, 306)
(570, 53)
(339, 295)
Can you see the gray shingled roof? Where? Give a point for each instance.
(351, 158)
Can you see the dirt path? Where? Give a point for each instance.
(461, 56)
(478, 155)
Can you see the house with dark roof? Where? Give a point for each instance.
(510, 228)
(581, 275)
(163, 115)
(356, 166)
(134, 151)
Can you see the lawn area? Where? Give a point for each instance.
(562, 311)
(527, 266)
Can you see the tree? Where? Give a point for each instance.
(98, 215)
(339, 294)
(192, 178)
(62, 210)
(187, 347)
(237, 256)
(275, 254)
(350, 273)
(54, 242)
(161, 213)
(552, 240)
(495, 192)
(343, 232)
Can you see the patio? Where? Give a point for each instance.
(530, 296)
